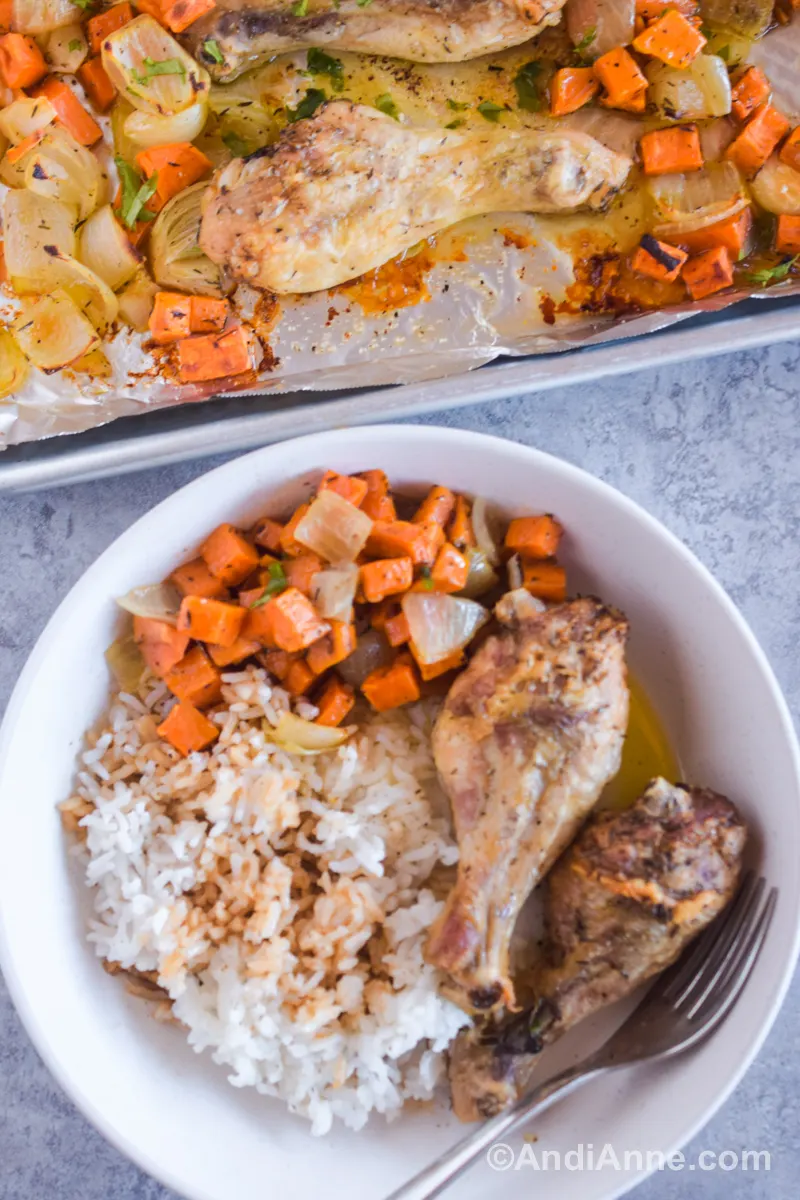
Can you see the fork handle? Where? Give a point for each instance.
(455, 1161)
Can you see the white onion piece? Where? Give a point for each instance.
(124, 57)
(126, 663)
(104, 247)
(372, 651)
(482, 576)
(65, 49)
(40, 16)
(93, 298)
(440, 624)
(514, 568)
(136, 301)
(334, 528)
(175, 254)
(13, 365)
(52, 332)
(60, 168)
(750, 18)
(685, 203)
(612, 20)
(31, 223)
(776, 187)
(703, 89)
(304, 737)
(483, 536)
(157, 601)
(24, 117)
(334, 591)
(148, 129)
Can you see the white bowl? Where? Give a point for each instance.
(172, 1111)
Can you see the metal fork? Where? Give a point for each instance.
(682, 1008)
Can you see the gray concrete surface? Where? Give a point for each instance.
(713, 450)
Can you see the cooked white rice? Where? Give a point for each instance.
(277, 898)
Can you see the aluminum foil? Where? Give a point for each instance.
(488, 290)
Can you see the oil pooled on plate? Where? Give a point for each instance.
(647, 752)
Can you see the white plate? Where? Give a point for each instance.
(172, 1111)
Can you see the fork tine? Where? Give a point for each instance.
(683, 976)
(714, 1007)
(723, 953)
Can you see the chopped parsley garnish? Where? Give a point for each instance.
(164, 66)
(277, 583)
(527, 84)
(237, 146)
(583, 45)
(211, 50)
(459, 121)
(457, 106)
(74, 45)
(724, 53)
(320, 63)
(135, 193)
(300, 8)
(363, 3)
(490, 110)
(312, 100)
(425, 578)
(772, 274)
(84, 4)
(387, 105)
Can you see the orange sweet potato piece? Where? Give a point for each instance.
(229, 555)
(71, 113)
(396, 630)
(787, 235)
(178, 15)
(177, 166)
(536, 537)
(288, 542)
(460, 531)
(187, 729)
(333, 648)
(658, 260)
(651, 10)
(225, 656)
(21, 61)
(392, 686)
(708, 273)
(161, 644)
(571, 88)
(749, 93)
(278, 662)
(672, 39)
(751, 149)
(430, 671)
(547, 580)
(207, 314)
(170, 318)
(377, 503)
(267, 533)
(349, 487)
(296, 624)
(730, 233)
(195, 678)
(449, 572)
(386, 577)
(300, 571)
(259, 623)
(790, 150)
(207, 356)
(211, 620)
(437, 507)
(96, 83)
(299, 677)
(619, 74)
(400, 539)
(105, 23)
(334, 702)
(675, 149)
(194, 579)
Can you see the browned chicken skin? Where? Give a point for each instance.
(349, 188)
(527, 739)
(248, 32)
(620, 906)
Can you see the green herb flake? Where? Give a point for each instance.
(164, 66)
(320, 63)
(300, 8)
(84, 4)
(363, 3)
(312, 100)
(459, 121)
(583, 45)
(386, 104)
(426, 578)
(724, 53)
(457, 106)
(237, 146)
(135, 193)
(277, 583)
(490, 110)
(74, 45)
(772, 274)
(211, 50)
(527, 84)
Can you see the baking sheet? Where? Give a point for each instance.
(235, 423)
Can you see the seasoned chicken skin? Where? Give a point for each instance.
(346, 190)
(620, 906)
(528, 737)
(248, 32)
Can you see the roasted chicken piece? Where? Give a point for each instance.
(528, 737)
(246, 32)
(349, 188)
(620, 906)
